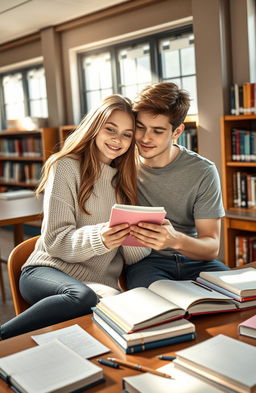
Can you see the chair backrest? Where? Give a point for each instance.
(16, 259)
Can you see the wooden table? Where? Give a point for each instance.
(18, 211)
(206, 327)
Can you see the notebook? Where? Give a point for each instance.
(121, 214)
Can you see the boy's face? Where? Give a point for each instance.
(154, 135)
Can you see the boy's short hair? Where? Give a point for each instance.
(164, 98)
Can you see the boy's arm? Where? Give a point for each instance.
(159, 237)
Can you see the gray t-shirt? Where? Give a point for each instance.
(188, 188)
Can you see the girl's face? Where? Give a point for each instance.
(115, 136)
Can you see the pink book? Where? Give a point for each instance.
(132, 215)
(248, 327)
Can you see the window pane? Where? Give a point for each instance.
(189, 84)
(170, 63)
(13, 96)
(37, 92)
(97, 71)
(178, 64)
(135, 69)
(93, 98)
(188, 61)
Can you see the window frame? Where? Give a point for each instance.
(155, 59)
(23, 71)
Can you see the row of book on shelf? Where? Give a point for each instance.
(28, 173)
(243, 145)
(243, 99)
(245, 250)
(25, 147)
(188, 139)
(141, 319)
(244, 189)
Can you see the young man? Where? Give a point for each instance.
(184, 182)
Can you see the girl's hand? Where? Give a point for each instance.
(114, 237)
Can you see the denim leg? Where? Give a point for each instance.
(150, 269)
(190, 268)
(173, 267)
(54, 297)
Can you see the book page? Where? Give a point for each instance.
(187, 293)
(49, 367)
(75, 338)
(137, 305)
(241, 281)
(181, 382)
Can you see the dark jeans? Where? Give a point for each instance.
(54, 297)
(174, 267)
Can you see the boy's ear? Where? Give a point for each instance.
(178, 131)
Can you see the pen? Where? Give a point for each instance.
(138, 367)
(108, 363)
(166, 357)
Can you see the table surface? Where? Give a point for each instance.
(206, 326)
(16, 211)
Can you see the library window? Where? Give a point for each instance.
(23, 94)
(128, 67)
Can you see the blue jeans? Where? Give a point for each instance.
(54, 297)
(174, 267)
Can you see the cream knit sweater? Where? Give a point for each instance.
(70, 240)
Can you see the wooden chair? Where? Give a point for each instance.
(2, 282)
(16, 259)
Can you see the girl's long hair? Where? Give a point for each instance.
(81, 143)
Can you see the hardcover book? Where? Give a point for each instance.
(231, 363)
(132, 215)
(240, 283)
(248, 327)
(155, 337)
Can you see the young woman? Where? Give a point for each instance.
(78, 257)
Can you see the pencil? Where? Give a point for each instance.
(139, 367)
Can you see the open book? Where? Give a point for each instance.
(239, 284)
(132, 215)
(161, 302)
(223, 361)
(49, 368)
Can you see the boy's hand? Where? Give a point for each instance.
(156, 236)
(114, 237)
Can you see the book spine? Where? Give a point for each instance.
(160, 343)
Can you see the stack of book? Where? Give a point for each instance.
(239, 285)
(219, 364)
(146, 318)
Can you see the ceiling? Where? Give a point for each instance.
(19, 18)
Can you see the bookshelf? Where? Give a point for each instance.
(22, 155)
(187, 139)
(238, 189)
(64, 132)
